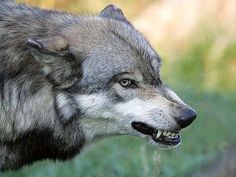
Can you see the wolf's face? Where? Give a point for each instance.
(107, 76)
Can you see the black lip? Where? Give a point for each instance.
(144, 128)
(148, 130)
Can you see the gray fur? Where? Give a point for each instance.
(7, 1)
(48, 59)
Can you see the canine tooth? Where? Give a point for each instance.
(164, 133)
(159, 133)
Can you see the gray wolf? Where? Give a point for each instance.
(67, 80)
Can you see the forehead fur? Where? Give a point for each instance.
(111, 47)
(92, 32)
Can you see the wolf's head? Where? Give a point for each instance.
(106, 77)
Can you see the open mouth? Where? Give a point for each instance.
(170, 138)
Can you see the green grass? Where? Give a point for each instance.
(125, 156)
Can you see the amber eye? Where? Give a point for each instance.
(127, 83)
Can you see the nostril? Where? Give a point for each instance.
(191, 114)
(186, 117)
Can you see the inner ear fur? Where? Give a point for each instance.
(59, 64)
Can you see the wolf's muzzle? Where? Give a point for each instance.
(186, 117)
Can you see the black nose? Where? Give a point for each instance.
(186, 117)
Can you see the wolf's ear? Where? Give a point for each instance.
(111, 11)
(59, 64)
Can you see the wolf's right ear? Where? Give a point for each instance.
(112, 11)
(59, 64)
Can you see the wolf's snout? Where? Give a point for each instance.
(186, 117)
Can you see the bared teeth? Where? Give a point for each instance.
(159, 133)
(168, 134)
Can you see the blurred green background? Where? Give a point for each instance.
(197, 42)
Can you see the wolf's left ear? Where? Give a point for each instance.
(59, 64)
(112, 11)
